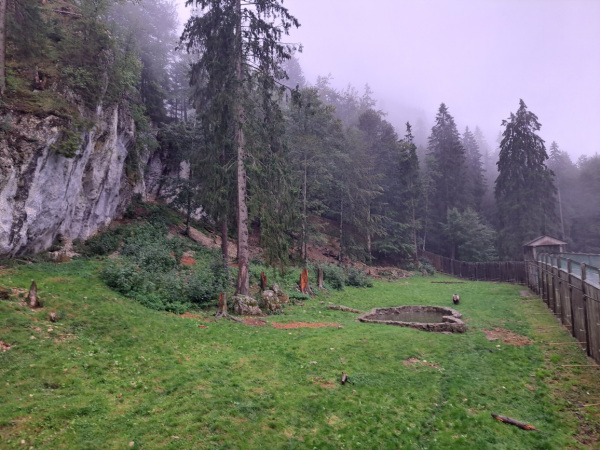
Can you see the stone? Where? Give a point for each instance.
(269, 302)
(243, 305)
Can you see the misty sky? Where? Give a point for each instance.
(477, 56)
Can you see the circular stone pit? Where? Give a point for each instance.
(418, 317)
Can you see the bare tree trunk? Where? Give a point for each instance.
(224, 243)
(243, 282)
(2, 46)
(341, 226)
(304, 219)
(369, 244)
(560, 210)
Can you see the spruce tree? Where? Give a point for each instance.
(447, 169)
(474, 181)
(524, 191)
(241, 53)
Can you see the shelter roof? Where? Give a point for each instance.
(544, 241)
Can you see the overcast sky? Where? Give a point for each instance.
(477, 56)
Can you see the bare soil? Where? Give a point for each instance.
(506, 336)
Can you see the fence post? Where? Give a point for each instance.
(585, 306)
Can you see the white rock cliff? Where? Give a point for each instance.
(44, 194)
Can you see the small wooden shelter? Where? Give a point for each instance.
(542, 244)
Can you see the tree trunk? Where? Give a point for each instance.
(560, 210)
(224, 243)
(369, 255)
(2, 46)
(341, 226)
(243, 282)
(304, 218)
(320, 278)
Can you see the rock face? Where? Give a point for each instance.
(44, 194)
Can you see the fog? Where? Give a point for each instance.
(478, 57)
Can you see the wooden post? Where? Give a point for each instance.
(584, 292)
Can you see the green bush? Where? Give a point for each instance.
(333, 275)
(149, 271)
(357, 278)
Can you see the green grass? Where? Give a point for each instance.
(112, 372)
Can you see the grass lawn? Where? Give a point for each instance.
(113, 374)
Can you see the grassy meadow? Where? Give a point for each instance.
(115, 374)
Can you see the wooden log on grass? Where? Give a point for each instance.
(516, 423)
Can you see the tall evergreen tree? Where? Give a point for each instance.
(240, 55)
(447, 169)
(474, 180)
(524, 190)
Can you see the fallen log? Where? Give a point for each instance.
(516, 423)
(345, 308)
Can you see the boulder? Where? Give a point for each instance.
(269, 301)
(243, 305)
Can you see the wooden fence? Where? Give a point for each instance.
(569, 288)
(509, 271)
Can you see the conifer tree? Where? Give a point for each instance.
(240, 55)
(474, 180)
(447, 169)
(524, 191)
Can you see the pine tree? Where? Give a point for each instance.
(474, 181)
(240, 55)
(524, 191)
(447, 169)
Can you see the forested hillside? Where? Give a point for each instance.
(221, 119)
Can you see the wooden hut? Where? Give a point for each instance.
(542, 244)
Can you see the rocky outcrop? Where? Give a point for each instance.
(44, 193)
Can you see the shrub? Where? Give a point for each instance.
(357, 278)
(333, 275)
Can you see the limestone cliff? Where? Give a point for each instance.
(44, 193)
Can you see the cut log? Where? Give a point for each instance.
(516, 423)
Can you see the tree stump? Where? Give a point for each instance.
(320, 278)
(263, 282)
(304, 287)
(222, 305)
(32, 298)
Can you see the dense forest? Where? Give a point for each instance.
(264, 150)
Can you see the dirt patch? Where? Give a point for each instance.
(323, 383)
(4, 347)
(292, 325)
(187, 261)
(508, 337)
(416, 362)
(254, 322)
